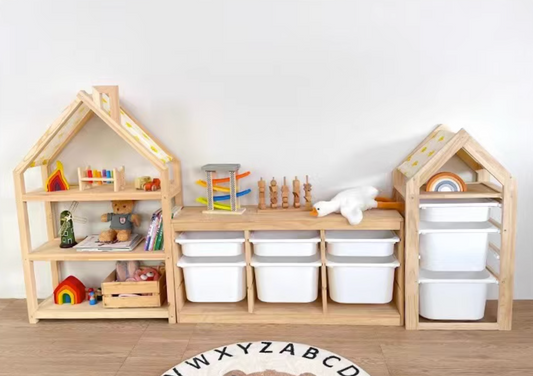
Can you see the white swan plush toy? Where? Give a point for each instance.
(352, 202)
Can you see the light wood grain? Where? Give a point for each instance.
(191, 218)
(474, 190)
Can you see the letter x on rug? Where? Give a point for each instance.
(266, 358)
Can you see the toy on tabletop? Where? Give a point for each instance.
(70, 291)
(285, 194)
(446, 182)
(153, 185)
(57, 181)
(98, 294)
(66, 226)
(307, 193)
(212, 201)
(273, 194)
(122, 220)
(146, 274)
(92, 298)
(296, 192)
(90, 178)
(262, 192)
(351, 203)
(125, 270)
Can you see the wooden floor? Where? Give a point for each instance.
(150, 347)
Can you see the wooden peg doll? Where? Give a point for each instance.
(273, 194)
(296, 192)
(307, 190)
(284, 194)
(262, 191)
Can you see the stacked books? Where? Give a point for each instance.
(154, 238)
(92, 244)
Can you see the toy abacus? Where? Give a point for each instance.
(285, 194)
(91, 178)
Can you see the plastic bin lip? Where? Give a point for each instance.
(455, 227)
(197, 237)
(262, 261)
(216, 262)
(474, 202)
(365, 236)
(288, 236)
(483, 276)
(363, 262)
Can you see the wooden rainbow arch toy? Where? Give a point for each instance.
(445, 182)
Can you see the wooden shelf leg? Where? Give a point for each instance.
(250, 287)
(507, 256)
(168, 237)
(411, 255)
(323, 272)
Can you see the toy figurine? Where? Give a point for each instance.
(273, 194)
(296, 192)
(92, 298)
(307, 195)
(284, 194)
(67, 230)
(262, 189)
(122, 220)
(352, 202)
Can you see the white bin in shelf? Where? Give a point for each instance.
(285, 243)
(493, 260)
(286, 279)
(214, 279)
(361, 243)
(458, 210)
(365, 280)
(211, 243)
(454, 295)
(454, 246)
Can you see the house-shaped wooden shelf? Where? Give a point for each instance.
(104, 103)
(409, 180)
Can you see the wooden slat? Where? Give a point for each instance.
(494, 167)
(48, 136)
(192, 219)
(249, 271)
(323, 272)
(72, 134)
(468, 160)
(457, 326)
(438, 128)
(400, 274)
(398, 182)
(474, 190)
(104, 192)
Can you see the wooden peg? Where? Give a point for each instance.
(296, 192)
(307, 196)
(262, 189)
(284, 194)
(273, 194)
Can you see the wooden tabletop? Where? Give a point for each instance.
(191, 218)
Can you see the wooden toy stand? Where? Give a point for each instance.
(409, 179)
(323, 310)
(104, 103)
(118, 180)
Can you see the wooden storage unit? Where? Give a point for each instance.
(409, 187)
(323, 310)
(104, 103)
(154, 293)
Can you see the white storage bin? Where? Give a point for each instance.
(214, 279)
(368, 280)
(211, 243)
(286, 279)
(460, 210)
(285, 243)
(361, 243)
(454, 295)
(454, 246)
(493, 260)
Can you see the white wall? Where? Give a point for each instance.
(339, 90)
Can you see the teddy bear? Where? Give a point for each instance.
(122, 220)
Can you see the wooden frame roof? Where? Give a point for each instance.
(104, 103)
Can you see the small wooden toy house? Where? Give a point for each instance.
(70, 291)
(104, 103)
(409, 180)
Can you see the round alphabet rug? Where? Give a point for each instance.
(266, 358)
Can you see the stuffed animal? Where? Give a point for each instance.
(147, 273)
(125, 270)
(122, 221)
(351, 203)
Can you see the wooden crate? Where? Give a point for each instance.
(111, 290)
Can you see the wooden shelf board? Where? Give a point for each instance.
(288, 313)
(191, 218)
(103, 192)
(51, 251)
(48, 310)
(474, 190)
